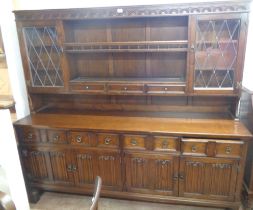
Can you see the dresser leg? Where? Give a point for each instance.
(34, 195)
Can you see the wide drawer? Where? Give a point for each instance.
(82, 138)
(88, 87)
(166, 143)
(134, 142)
(108, 140)
(164, 89)
(228, 148)
(57, 136)
(125, 88)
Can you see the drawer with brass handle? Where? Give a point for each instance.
(194, 147)
(81, 138)
(166, 143)
(134, 142)
(57, 136)
(108, 140)
(226, 148)
(30, 135)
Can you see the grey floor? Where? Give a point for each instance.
(60, 201)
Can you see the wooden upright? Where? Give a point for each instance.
(146, 97)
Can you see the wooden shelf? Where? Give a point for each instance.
(140, 46)
(129, 80)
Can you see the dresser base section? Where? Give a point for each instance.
(140, 197)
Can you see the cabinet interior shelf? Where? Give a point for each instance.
(180, 81)
(140, 46)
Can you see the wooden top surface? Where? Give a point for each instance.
(218, 128)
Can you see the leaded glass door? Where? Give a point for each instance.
(216, 53)
(43, 56)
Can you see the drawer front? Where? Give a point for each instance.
(166, 143)
(88, 87)
(134, 142)
(125, 88)
(82, 138)
(165, 89)
(108, 140)
(57, 137)
(228, 149)
(30, 135)
(194, 147)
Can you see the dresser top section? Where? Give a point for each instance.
(214, 128)
(135, 11)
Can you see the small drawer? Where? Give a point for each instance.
(108, 140)
(125, 88)
(88, 87)
(228, 148)
(134, 142)
(165, 89)
(57, 137)
(82, 138)
(166, 143)
(194, 147)
(30, 135)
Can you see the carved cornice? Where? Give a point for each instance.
(134, 11)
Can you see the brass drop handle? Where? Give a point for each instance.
(125, 88)
(56, 138)
(69, 167)
(181, 176)
(165, 145)
(134, 142)
(74, 167)
(194, 148)
(30, 136)
(87, 87)
(165, 89)
(107, 140)
(78, 139)
(228, 150)
(175, 177)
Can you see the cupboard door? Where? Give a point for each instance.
(62, 167)
(42, 54)
(217, 53)
(109, 169)
(154, 174)
(208, 178)
(86, 167)
(35, 164)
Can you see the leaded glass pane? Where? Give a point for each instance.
(216, 53)
(43, 55)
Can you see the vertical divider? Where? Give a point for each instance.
(64, 61)
(190, 54)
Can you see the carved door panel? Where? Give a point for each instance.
(35, 164)
(108, 167)
(155, 174)
(211, 178)
(62, 166)
(85, 161)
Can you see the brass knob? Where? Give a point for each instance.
(56, 138)
(134, 142)
(107, 140)
(125, 88)
(87, 87)
(165, 89)
(30, 136)
(78, 139)
(194, 148)
(165, 145)
(69, 167)
(228, 150)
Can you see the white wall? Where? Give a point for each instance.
(49, 4)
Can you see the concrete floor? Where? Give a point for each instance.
(60, 201)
